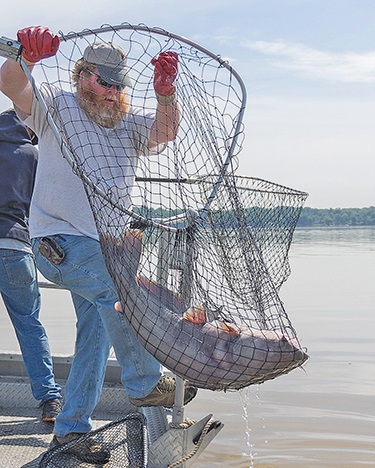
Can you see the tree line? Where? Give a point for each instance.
(337, 217)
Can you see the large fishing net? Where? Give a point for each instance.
(197, 253)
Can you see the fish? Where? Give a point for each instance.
(216, 354)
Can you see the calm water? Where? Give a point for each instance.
(321, 417)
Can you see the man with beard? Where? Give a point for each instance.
(99, 122)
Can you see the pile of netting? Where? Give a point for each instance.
(120, 443)
(198, 254)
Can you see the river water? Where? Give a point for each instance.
(322, 416)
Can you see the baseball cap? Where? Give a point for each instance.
(110, 60)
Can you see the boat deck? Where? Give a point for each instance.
(24, 438)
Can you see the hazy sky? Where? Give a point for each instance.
(308, 67)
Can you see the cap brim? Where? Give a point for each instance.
(115, 75)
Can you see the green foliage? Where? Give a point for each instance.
(337, 217)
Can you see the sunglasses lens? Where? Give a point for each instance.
(106, 85)
(103, 83)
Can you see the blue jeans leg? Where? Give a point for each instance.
(20, 293)
(99, 326)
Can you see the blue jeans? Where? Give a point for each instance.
(20, 293)
(99, 326)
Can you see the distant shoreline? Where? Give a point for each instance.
(337, 217)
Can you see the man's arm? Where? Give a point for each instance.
(167, 116)
(165, 126)
(15, 85)
(38, 43)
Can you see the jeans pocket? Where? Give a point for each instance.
(49, 271)
(20, 268)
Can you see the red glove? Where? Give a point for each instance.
(165, 73)
(38, 43)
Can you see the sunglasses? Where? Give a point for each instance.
(104, 83)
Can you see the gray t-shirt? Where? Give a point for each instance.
(108, 156)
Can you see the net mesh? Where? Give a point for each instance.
(119, 443)
(197, 253)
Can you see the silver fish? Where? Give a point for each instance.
(212, 355)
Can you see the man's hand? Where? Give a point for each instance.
(38, 43)
(165, 73)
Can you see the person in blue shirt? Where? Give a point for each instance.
(18, 274)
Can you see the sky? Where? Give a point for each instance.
(308, 67)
